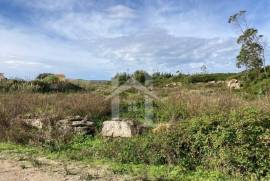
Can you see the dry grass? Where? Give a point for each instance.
(60, 105)
(178, 105)
(191, 103)
(49, 106)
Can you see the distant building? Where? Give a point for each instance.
(61, 77)
(2, 77)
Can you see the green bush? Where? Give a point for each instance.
(234, 144)
(48, 84)
(52, 85)
(51, 79)
(195, 78)
(43, 76)
(121, 78)
(141, 76)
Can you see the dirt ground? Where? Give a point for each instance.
(21, 169)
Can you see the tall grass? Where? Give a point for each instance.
(52, 107)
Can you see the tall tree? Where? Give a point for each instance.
(251, 55)
(204, 69)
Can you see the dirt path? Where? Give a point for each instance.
(13, 171)
(21, 169)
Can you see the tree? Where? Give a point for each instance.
(251, 55)
(204, 69)
(141, 76)
(51, 79)
(43, 76)
(121, 78)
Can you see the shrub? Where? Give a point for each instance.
(121, 78)
(48, 84)
(52, 84)
(209, 77)
(43, 76)
(51, 79)
(141, 76)
(235, 144)
(49, 106)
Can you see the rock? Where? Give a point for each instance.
(122, 128)
(78, 125)
(233, 84)
(117, 129)
(74, 124)
(212, 82)
(36, 123)
(220, 82)
(74, 118)
(81, 123)
(163, 127)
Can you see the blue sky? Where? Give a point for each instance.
(94, 39)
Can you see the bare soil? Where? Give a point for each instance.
(25, 169)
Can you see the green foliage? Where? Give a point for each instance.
(136, 171)
(141, 76)
(170, 110)
(161, 75)
(213, 147)
(234, 144)
(251, 54)
(255, 82)
(195, 78)
(43, 76)
(134, 109)
(51, 79)
(121, 78)
(48, 84)
(52, 84)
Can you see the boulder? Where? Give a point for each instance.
(117, 129)
(122, 128)
(233, 84)
(82, 124)
(220, 82)
(78, 125)
(36, 123)
(74, 124)
(212, 82)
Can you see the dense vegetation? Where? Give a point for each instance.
(51, 84)
(216, 134)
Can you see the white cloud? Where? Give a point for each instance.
(26, 53)
(77, 38)
(48, 5)
(121, 12)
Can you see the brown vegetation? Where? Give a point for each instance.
(50, 106)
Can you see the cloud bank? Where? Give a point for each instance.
(95, 39)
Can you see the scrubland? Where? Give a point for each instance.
(218, 134)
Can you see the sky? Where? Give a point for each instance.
(95, 39)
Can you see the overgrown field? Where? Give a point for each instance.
(217, 134)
